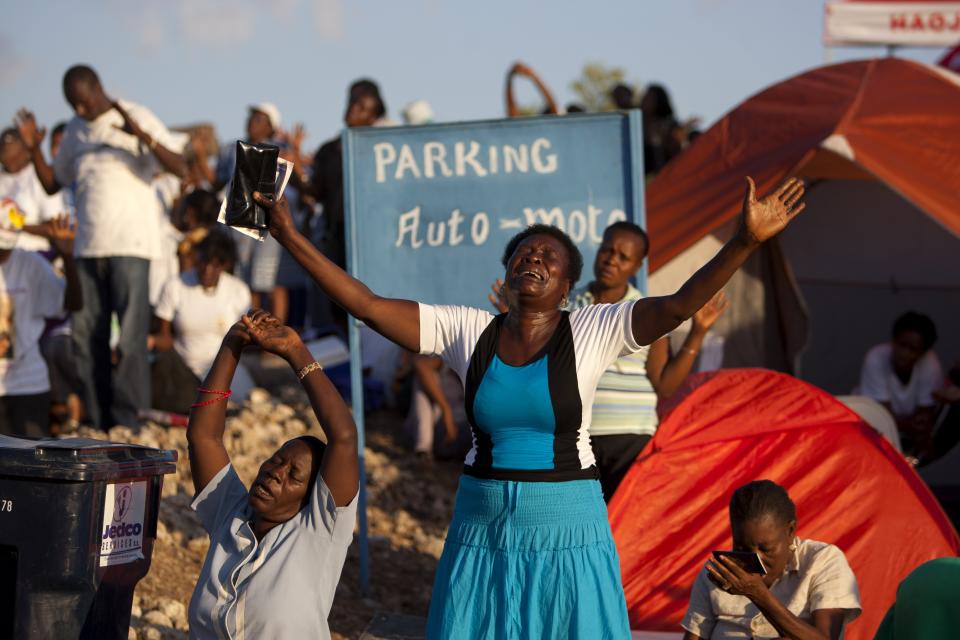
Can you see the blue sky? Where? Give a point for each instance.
(204, 60)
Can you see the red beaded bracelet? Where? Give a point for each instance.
(221, 395)
(225, 394)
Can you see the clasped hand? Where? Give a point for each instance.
(732, 578)
(61, 232)
(281, 220)
(263, 329)
(130, 125)
(30, 133)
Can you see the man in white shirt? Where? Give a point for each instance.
(20, 187)
(111, 152)
(903, 375)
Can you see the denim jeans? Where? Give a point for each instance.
(114, 284)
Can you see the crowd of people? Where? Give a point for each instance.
(160, 278)
(121, 292)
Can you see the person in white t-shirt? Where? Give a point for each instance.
(110, 152)
(165, 263)
(20, 187)
(195, 310)
(30, 292)
(903, 375)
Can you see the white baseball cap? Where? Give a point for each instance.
(270, 110)
(418, 112)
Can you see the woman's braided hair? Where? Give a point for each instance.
(761, 498)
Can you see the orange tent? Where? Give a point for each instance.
(730, 427)
(892, 119)
(878, 143)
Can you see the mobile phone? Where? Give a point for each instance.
(748, 561)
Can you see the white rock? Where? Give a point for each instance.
(158, 618)
(151, 633)
(259, 396)
(174, 610)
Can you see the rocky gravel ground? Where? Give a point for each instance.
(409, 508)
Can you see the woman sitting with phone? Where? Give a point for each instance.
(808, 591)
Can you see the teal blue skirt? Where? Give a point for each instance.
(528, 560)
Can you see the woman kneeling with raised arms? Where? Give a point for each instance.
(277, 550)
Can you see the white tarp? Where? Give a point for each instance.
(920, 24)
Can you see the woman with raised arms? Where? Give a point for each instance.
(277, 548)
(529, 552)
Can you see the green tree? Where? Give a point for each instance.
(594, 84)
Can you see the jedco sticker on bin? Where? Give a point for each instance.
(121, 535)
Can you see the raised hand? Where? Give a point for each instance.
(281, 221)
(520, 68)
(30, 133)
(710, 312)
(130, 125)
(61, 233)
(731, 577)
(271, 335)
(199, 146)
(238, 337)
(296, 136)
(763, 219)
(496, 298)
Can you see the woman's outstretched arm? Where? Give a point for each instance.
(205, 430)
(667, 372)
(762, 219)
(397, 320)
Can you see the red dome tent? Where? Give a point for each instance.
(733, 426)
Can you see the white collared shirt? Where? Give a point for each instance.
(281, 586)
(817, 577)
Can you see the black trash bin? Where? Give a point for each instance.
(78, 519)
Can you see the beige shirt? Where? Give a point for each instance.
(817, 577)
